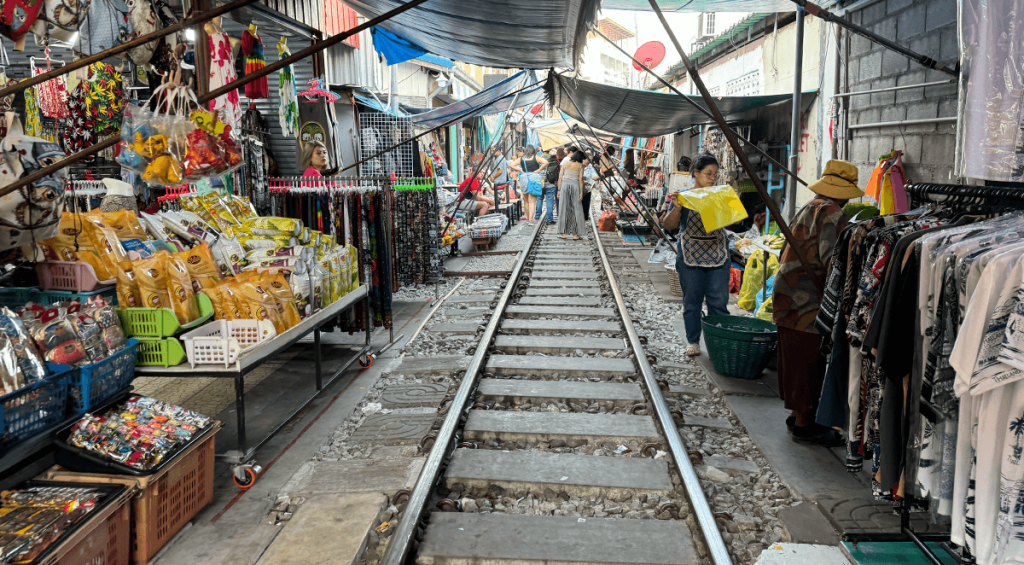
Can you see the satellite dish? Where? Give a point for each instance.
(651, 54)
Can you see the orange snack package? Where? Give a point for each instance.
(179, 289)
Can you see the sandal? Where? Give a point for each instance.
(693, 350)
(576, 238)
(816, 434)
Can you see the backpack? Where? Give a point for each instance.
(551, 175)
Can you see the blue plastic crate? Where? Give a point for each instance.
(47, 297)
(26, 412)
(100, 381)
(15, 297)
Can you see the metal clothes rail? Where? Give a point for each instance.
(242, 459)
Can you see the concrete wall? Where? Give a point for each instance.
(928, 27)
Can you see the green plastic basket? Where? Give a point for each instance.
(161, 322)
(160, 352)
(740, 347)
(16, 296)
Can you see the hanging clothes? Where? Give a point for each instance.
(222, 71)
(255, 61)
(287, 97)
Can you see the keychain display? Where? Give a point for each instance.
(33, 519)
(140, 433)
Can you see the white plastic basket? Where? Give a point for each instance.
(221, 341)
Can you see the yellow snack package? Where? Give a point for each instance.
(151, 275)
(222, 217)
(179, 289)
(223, 303)
(128, 295)
(272, 225)
(124, 223)
(243, 306)
(202, 269)
(262, 304)
(278, 286)
(241, 208)
(353, 258)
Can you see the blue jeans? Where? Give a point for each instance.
(700, 284)
(549, 197)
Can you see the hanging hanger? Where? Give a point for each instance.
(282, 46)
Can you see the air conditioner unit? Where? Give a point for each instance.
(705, 26)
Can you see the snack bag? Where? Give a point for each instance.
(223, 304)
(151, 274)
(90, 334)
(299, 282)
(124, 223)
(58, 341)
(179, 290)
(222, 217)
(278, 286)
(11, 377)
(272, 226)
(29, 359)
(128, 294)
(243, 307)
(202, 269)
(240, 207)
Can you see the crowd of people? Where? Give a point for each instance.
(557, 185)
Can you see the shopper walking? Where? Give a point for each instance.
(590, 180)
(533, 185)
(570, 193)
(702, 259)
(551, 174)
(797, 296)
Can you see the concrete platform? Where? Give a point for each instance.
(560, 301)
(563, 283)
(547, 327)
(567, 345)
(545, 426)
(330, 528)
(443, 365)
(536, 311)
(536, 366)
(491, 539)
(467, 328)
(581, 475)
(355, 475)
(545, 291)
(564, 275)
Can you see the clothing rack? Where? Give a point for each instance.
(916, 405)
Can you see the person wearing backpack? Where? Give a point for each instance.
(551, 172)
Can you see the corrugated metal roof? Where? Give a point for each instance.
(348, 66)
(736, 30)
(703, 5)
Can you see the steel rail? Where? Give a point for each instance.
(698, 503)
(401, 540)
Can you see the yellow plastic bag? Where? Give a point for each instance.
(718, 206)
(766, 311)
(753, 279)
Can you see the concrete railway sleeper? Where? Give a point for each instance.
(555, 448)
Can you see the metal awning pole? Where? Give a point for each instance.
(311, 50)
(818, 11)
(794, 134)
(744, 160)
(704, 111)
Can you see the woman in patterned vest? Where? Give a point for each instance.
(702, 259)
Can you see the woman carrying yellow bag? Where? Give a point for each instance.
(702, 259)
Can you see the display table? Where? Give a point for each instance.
(243, 464)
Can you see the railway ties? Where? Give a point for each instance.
(559, 458)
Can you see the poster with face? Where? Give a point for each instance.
(32, 212)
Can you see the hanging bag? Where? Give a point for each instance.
(108, 25)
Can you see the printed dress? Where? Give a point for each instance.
(287, 94)
(222, 71)
(252, 47)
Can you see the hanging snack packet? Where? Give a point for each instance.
(151, 274)
(202, 269)
(272, 225)
(278, 286)
(179, 289)
(29, 359)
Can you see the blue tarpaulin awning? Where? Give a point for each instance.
(494, 100)
(396, 49)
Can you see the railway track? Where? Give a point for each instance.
(558, 444)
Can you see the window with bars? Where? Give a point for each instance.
(746, 85)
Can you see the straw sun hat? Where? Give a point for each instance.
(839, 181)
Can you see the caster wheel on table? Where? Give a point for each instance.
(367, 363)
(249, 475)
